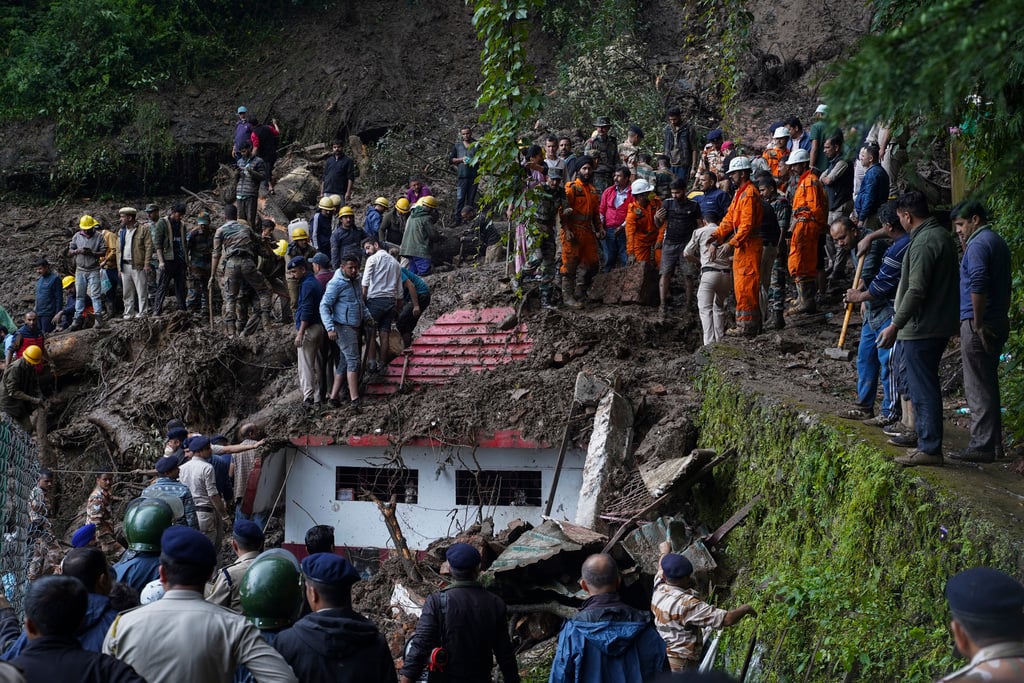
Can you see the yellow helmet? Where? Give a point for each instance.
(346, 211)
(33, 354)
(335, 200)
(300, 234)
(87, 222)
(427, 201)
(282, 247)
(382, 201)
(67, 281)
(402, 205)
(326, 203)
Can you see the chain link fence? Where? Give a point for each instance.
(26, 537)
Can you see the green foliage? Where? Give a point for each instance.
(847, 554)
(954, 65)
(727, 25)
(582, 27)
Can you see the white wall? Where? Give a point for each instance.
(311, 485)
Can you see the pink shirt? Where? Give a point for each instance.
(614, 216)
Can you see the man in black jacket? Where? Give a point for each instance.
(53, 610)
(468, 622)
(334, 643)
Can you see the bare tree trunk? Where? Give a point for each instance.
(401, 547)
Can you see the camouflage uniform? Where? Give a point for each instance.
(97, 511)
(200, 246)
(541, 243)
(237, 244)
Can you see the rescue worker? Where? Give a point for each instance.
(645, 226)
(19, 391)
(374, 215)
(778, 271)
(346, 238)
(551, 202)
(581, 230)
(199, 246)
(738, 233)
(97, 511)
(144, 523)
(604, 148)
(29, 334)
(392, 225)
(236, 244)
(810, 209)
(987, 607)
(321, 225)
(88, 248)
(49, 294)
(246, 544)
(180, 637)
(251, 172)
(420, 231)
(300, 245)
(168, 489)
(271, 593)
(335, 643)
(777, 153)
(135, 251)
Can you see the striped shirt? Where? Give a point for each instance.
(679, 616)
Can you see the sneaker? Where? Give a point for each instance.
(307, 401)
(906, 440)
(918, 457)
(974, 455)
(880, 421)
(895, 428)
(356, 403)
(76, 324)
(857, 412)
(334, 402)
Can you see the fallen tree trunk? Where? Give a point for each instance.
(129, 442)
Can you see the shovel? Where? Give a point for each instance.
(839, 353)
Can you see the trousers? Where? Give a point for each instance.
(712, 292)
(746, 269)
(921, 364)
(981, 384)
(135, 285)
(873, 366)
(309, 363)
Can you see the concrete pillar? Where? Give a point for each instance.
(610, 443)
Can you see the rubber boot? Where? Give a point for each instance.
(97, 319)
(545, 299)
(780, 319)
(568, 285)
(810, 296)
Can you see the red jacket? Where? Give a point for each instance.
(610, 216)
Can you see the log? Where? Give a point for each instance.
(72, 352)
(126, 439)
(395, 531)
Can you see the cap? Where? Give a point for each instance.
(199, 443)
(727, 145)
(715, 134)
(83, 536)
(150, 208)
(166, 464)
(822, 108)
(243, 110)
(297, 262)
(329, 569)
(218, 439)
(321, 259)
(555, 172)
(462, 556)
(676, 566)
(248, 532)
(41, 261)
(986, 593)
(602, 121)
(178, 433)
(188, 546)
(127, 211)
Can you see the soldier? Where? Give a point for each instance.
(97, 511)
(19, 390)
(236, 244)
(144, 523)
(551, 203)
(271, 595)
(199, 243)
(605, 150)
(247, 543)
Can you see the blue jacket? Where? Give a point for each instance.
(137, 568)
(343, 303)
(874, 191)
(99, 615)
(49, 295)
(608, 642)
(985, 269)
(715, 201)
(371, 224)
(308, 307)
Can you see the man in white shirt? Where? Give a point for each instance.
(382, 292)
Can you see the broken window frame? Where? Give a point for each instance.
(363, 484)
(494, 488)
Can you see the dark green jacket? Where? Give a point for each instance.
(927, 303)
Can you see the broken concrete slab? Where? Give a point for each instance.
(660, 477)
(590, 389)
(635, 284)
(610, 444)
(672, 436)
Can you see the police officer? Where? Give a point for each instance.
(988, 625)
(181, 637)
(236, 244)
(468, 621)
(247, 542)
(334, 643)
(144, 523)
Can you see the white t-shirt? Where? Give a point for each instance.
(382, 276)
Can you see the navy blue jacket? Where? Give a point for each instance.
(336, 646)
(57, 658)
(874, 191)
(308, 307)
(98, 618)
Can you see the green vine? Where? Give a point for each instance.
(727, 24)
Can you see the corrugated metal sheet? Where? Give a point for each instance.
(546, 541)
(465, 340)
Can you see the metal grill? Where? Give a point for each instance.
(630, 501)
(23, 543)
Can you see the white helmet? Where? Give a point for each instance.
(798, 156)
(151, 592)
(781, 132)
(739, 164)
(640, 186)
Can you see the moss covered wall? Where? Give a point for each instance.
(846, 556)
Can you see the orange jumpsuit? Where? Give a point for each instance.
(740, 228)
(641, 232)
(582, 223)
(810, 211)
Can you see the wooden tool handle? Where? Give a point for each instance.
(849, 306)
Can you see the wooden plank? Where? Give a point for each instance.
(733, 521)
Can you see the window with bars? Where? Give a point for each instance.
(497, 487)
(365, 483)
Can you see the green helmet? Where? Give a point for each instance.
(271, 590)
(145, 522)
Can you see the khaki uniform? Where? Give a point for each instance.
(197, 475)
(97, 511)
(224, 590)
(680, 617)
(999, 663)
(181, 637)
